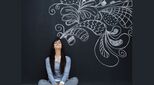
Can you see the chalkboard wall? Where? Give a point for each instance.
(38, 31)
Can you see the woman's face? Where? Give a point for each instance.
(57, 44)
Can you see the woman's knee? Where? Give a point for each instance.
(72, 81)
(43, 82)
(75, 79)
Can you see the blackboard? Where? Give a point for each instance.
(38, 31)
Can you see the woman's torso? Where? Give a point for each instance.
(58, 76)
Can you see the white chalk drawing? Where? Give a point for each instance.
(110, 21)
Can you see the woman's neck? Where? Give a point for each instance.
(57, 52)
(57, 55)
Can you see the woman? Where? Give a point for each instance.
(58, 67)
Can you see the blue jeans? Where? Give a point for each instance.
(71, 81)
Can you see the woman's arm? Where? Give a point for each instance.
(66, 70)
(49, 71)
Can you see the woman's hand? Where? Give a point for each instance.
(61, 84)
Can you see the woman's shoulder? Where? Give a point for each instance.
(47, 58)
(68, 58)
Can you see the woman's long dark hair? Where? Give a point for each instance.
(52, 57)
